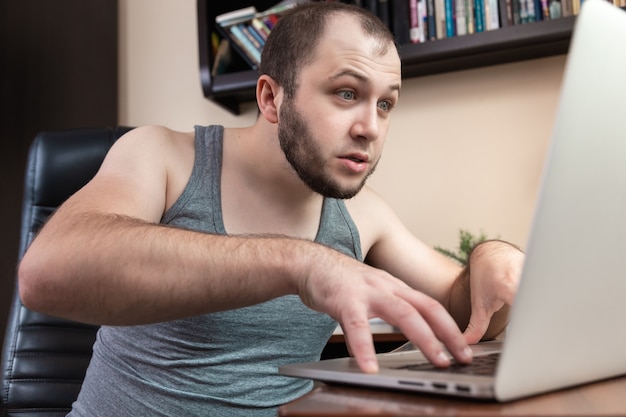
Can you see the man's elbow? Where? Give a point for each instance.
(34, 284)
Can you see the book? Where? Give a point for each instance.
(372, 6)
(253, 35)
(555, 9)
(422, 19)
(250, 52)
(223, 58)
(523, 12)
(440, 19)
(382, 10)
(247, 29)
(469, 16)
(544, 13)
(566, 8)
(516, 7)
(261, 28)
(270, 20)
(450, 11)
(431, 27)
(506, 13)
(479, 13)
(461, 20)
(242, 14)
(400, 20)
(494, 15)
(415, 22)
(532, 17)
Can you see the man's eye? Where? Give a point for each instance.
(347, 95)
(384, 105)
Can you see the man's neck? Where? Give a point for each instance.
(261, 193)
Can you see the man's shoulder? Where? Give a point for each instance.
(158, 139)
(157, 132)
(367, 200)
(372, 216)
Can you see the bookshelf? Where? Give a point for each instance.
(508, 44)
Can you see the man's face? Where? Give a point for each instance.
(306, 158)
(333, 131)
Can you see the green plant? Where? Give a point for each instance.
(467, 242)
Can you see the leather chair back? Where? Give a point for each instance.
(44, 358)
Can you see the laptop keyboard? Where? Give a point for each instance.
(481, 365)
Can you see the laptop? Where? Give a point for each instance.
(567, 322)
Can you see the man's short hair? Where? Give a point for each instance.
(292, 42)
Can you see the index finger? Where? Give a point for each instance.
(359, 337)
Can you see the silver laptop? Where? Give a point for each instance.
(567, 323)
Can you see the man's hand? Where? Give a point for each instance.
(491, 279)
(353, 292)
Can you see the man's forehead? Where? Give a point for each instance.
(345, 41)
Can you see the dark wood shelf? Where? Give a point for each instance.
(508, 44)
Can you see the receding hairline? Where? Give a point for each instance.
(383, 43)
(384, 40)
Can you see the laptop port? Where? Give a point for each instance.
(463, 388)
(440, 385)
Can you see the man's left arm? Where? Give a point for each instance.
(481, 296)
(478, 296)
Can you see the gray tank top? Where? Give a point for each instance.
(220, 364)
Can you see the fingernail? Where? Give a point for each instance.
(370, 366)
(467, 353)
(443, 359)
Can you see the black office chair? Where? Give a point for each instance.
(44, 358)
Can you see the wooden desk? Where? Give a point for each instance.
(605, 398)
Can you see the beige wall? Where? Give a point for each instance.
(464, 151)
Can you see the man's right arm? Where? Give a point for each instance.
(104, 258)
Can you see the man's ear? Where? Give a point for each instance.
(268, 97)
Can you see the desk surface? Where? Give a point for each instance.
(605, 398)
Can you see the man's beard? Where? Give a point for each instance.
(305, 157)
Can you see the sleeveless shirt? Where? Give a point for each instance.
(219, 364)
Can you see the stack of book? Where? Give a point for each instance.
(245, 31)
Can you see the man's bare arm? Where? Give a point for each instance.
(112, 269)
(481, 296)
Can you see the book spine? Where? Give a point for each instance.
(532, 15)
(254, 37)
(270, 20)
(516, 7)
(555, 9)
(231, 17)
(414, 17)
(566, 8)
(479, 15)
(469, 16)
(440, 19)
(400, 20)
(431, 26)
(494, 15)
(261, 28)
(372, 6)
(506, 14)
(249, 49)
(382, 10)
(423, 19)
(461, 21)
(450, 11)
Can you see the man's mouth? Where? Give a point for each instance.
(357, 158)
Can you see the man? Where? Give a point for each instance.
(211, 258)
